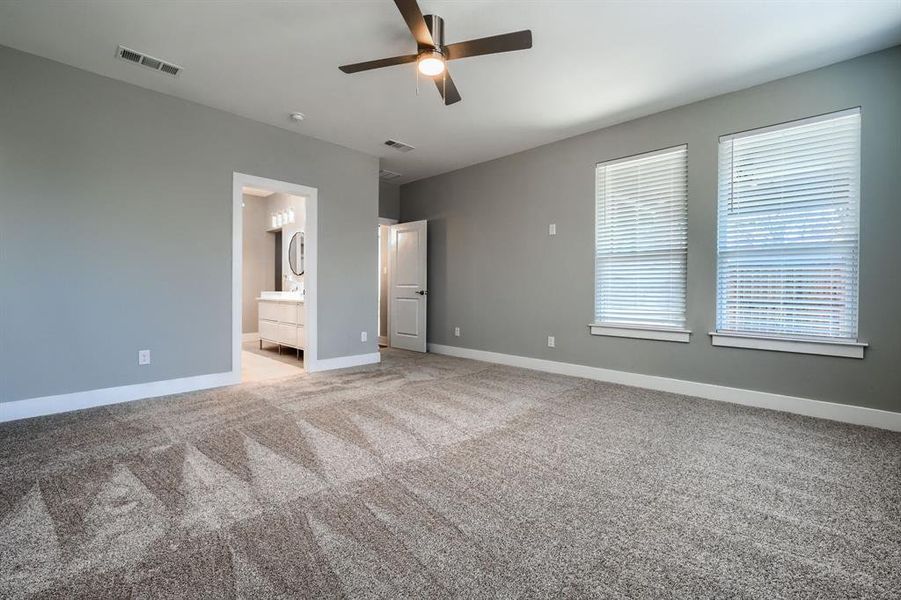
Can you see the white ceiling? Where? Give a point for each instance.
(592, 64)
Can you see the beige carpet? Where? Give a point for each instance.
(429, 476)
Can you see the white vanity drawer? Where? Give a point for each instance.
(287, 334)
(287, 312)
(299, 319)
(268, 330)
(269, 311)
(283, 312)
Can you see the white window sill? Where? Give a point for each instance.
(642, 333)
(798, 346)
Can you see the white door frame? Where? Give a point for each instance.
(386, 340)
(311, 263)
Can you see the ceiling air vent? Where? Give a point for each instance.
(386, 175)
(170, 69)
(129, 55)
(145, 60)
(399, 146)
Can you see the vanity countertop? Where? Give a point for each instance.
(291, 300)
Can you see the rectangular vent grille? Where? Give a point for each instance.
(145, 60)
(386, 175)
(129, 55)
(399, 146)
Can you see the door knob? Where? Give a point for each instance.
(423, 292)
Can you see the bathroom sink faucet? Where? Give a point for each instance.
(290, 284)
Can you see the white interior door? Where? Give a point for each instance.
(407, 286)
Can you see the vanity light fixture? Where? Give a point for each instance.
(290, 215)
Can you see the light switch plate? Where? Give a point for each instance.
(456, 332)
(143, 357)
(364, 336)
(551, 342)
(552, 229)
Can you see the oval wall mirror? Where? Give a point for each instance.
(295, 253)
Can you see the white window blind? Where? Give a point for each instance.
(642, 240)
(788, 229)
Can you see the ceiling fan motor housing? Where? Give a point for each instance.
(436, 28)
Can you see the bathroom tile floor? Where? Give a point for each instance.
(267, 364)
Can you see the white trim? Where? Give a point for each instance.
(799, 346)
(49, 405)
(250, 337)
(387, 221)
(311, 263)
(857, 415)
(344, 362)
(641, 333)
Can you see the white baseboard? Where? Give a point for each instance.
(344, 362)
(857, 415)
(49, 405)
(250, 337)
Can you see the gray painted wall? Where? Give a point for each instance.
(494, 271)
(389, 200)
(115, 230)
(258, 263)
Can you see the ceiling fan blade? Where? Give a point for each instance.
(507, 42)
(447, 88)
(378, 64)
(409, 10)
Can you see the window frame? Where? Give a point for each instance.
(630, 330)
(817, 345)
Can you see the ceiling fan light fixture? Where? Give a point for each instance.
(431, 63)
(432, 54)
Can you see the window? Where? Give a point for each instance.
(641, 246)
(787, 248)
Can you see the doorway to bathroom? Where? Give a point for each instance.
(274, 278)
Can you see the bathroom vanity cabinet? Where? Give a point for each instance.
(281, 321)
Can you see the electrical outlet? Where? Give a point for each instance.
(364, 336)
(552, 229)
(143, 357)
(456, 332)
(551, 343)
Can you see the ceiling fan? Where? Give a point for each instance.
(432, 54)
